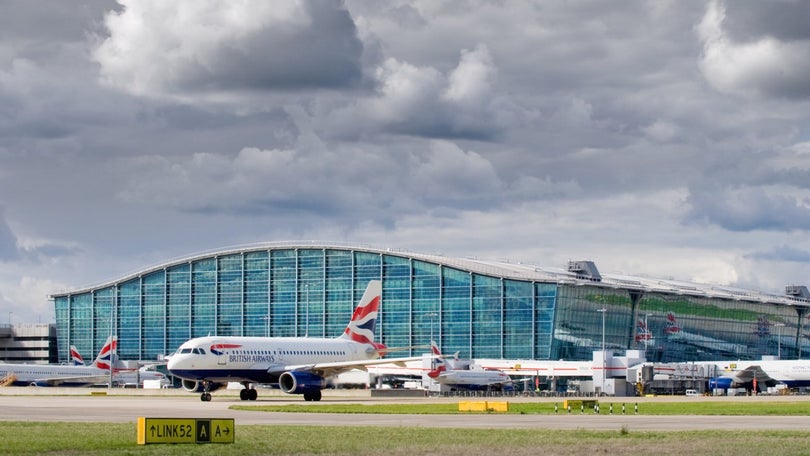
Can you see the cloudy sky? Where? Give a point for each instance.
(660, 138)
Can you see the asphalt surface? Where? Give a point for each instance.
(98, 406)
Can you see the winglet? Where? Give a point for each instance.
(364, 319)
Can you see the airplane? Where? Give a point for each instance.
(299, 365)
(793, 373)
(674, 333)
(122, 376)
(460, 374)
(61, 375)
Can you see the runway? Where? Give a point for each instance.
(123, 408)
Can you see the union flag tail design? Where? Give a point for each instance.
(104, 359)
(672, 324)
(75, 357)
(361, 326)
(439, 364)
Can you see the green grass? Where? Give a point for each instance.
(33, 438)
(697, 407)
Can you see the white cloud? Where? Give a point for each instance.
(210, 50)
(422, 101)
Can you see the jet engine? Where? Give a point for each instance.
(720, 383)
(294, 382)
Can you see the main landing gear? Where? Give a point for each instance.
(248, 393)
(312, 396)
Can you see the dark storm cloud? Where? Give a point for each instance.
(794, 254)
(750, 209)
(46, 22)
(784, 20)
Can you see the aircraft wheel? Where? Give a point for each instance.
(316, 396)
(243, 394)
(205, 397)
(252, 394)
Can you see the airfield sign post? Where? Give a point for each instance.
(185, 430)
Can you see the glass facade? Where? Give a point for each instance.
(309, 291)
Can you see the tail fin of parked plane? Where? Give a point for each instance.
(104, 360)
(75, 357)
(361, 326)
(439, 363)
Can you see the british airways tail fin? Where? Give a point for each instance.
(364, 319)
(104, 360)
(439, 364)
(672, 324)
(75, 357)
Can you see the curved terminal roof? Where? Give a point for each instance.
(502, 269)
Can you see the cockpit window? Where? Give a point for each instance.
(199, 351)
(185, 351)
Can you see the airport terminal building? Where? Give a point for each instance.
(481, 309)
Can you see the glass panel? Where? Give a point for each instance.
(456, 302)
(129, 317)
(518, 320)
(229, 296)
(203, 297)
(178, 310)
(154, 315)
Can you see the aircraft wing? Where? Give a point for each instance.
(79, 380)
(337, 367)
(750, 373)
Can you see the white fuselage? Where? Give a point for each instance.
(51, 375)
(790, 372)
(472, 378)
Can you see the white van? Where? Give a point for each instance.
(692, 393)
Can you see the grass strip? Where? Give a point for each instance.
(34, 438)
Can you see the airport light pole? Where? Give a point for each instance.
(648, 335)
(603, 311)
(306, 314)
(432, 316)
(779, 340)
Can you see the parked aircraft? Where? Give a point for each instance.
(61, 375)
(793, 373)
(458, 374)
(123, 376)
(674, 333)
(299, 365)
